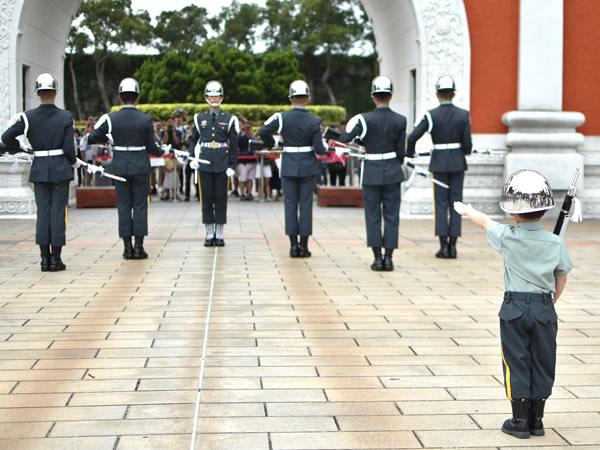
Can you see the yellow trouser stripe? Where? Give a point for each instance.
(507, 378)
(67, 207)
(433, 193)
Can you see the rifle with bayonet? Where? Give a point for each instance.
(565, 211)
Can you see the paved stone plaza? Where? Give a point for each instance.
(318, 353)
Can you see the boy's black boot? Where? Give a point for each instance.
(518, 424)
(294, 246)
(45, 254)
(452, 247)
(138, 248)
(388, 266)
(303, 251)
(444, 251)
(377, 265)
(536, 413)
(56, 263)
(127, 248)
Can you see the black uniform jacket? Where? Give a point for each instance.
(385, 132)
(129, 128)
(299, 128)
(48, 128)
(225, 130)
(451, 124)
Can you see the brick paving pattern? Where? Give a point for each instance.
(318, 353)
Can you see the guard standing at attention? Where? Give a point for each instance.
(47, 131)
(383, 132)
(450, 129)
(215, 139)
(131, 134)
(301, 132)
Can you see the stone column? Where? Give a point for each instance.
(541, 136)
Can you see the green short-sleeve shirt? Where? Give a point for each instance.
(532, 256)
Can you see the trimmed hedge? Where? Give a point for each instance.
(254, 113)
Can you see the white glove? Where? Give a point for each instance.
(77, 164)
(230, 172)
(111, 141)
(166, 149)
(340, 151)
(91, 168)
(461, 208)
(277, 141)
(194, 164)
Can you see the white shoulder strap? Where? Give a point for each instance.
(235, 122)
(429, 121)
(101, 120)
(355, 121)
(196, 122)
(276, 116)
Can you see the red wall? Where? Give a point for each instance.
(494, 30)
(581, 62)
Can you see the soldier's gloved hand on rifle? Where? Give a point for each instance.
(111, 141)
(92, 169)
(77, 164)
(230, 172)
(166, 149)
(194, 164)
(340, 151)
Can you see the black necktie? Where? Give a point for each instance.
(213, 117)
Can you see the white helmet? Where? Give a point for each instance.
(299, 87)
(382, 84)
(46, 82)
(129, 85)
(213, 89)
(526, 191)
(445, 83)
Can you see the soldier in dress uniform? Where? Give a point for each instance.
(383, 132)
(301, 132)
(131, 134)
(215, 139)
(47, 131)
(450, 129)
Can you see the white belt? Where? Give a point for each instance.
(214, 144)
(58, 151)
(388, 155)
(451, 146)
(129, 148)
(306, 148)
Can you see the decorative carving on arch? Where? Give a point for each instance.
(6, 23)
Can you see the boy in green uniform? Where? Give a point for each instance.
(536, 264)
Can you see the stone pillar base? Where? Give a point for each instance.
(16, 195)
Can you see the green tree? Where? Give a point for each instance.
(111, 26)
(181, 29)
(166, 79)
(76, 43)
(236, 25)
(278, 69)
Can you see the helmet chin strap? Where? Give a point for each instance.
(214, 105)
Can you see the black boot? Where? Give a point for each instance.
(294, 246)
(388, 266)
(303, 251)
(138, 248)
(56, 263)
(518, 424)
(210, 235)
(45, 253)
(377, 265)
(128, 248)
(452, 247)
(219, 241)
(444, 251)
(536, 413)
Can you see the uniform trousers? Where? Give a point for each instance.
(448, 221)
(213, 187)
(132, 205)
(528, 328)
(51, 200)
(377, 199)
(298, 204)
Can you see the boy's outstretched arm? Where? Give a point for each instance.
(478, 217)
(560, 286)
